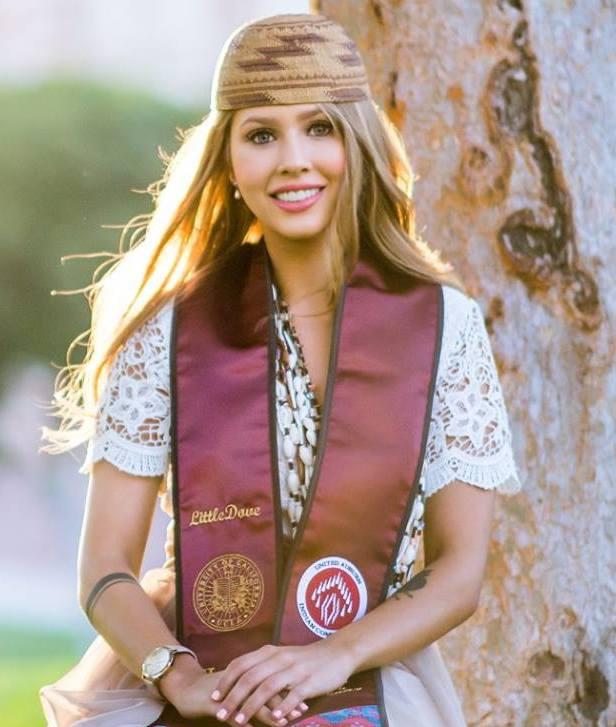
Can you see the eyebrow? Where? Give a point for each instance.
(269, 120)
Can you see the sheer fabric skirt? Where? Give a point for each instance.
(100, 692)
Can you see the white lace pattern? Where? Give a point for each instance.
(470, 438)
(132, 428)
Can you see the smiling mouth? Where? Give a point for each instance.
(298, 195)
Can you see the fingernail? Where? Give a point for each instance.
(276, 713)
(215, 694)
(296, 713)
(304, 706)
(239, 718)
(221, 714)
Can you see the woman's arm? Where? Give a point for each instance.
(116, 524)
(457, 530)
(445, 593)
(117, 521)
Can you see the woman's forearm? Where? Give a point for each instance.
(130, 622)
(433, 602)
(126, 617)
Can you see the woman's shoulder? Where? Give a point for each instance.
(154, 330)
(454, 295)
(147, 347)
(459, 311)
(145, 354)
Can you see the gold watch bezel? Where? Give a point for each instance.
(151, 671)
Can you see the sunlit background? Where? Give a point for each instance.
(88, 92)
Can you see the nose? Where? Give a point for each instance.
(294, 155)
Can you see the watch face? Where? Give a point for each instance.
(156, 662)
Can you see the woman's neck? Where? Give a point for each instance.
(300, 273)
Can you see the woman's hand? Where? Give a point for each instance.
(252, 679)
(187, 686)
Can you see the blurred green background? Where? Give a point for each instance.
(28, 659)
(70, 154)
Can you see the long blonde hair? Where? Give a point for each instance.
(196, 221)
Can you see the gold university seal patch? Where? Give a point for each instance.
(228, 592)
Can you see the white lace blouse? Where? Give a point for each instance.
(469, 437)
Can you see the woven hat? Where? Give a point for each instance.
(288, 59)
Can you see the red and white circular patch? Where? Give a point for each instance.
(331, 594)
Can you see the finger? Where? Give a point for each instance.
(230, 721)
(243, 687)
(239, 666)
(265, 715)
(274, 701)
(271, 705)
(248, 724)
(294, 700)
(264, 691)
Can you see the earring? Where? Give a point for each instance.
(236, 193)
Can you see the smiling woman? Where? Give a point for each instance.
(302, 140)
(308, 387)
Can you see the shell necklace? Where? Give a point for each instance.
(298, 412)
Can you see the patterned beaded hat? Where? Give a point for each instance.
(288, 59)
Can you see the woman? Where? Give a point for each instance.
(285, 303)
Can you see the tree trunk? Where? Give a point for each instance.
(509, 122)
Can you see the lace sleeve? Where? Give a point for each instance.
(469, 437)
(133, 416)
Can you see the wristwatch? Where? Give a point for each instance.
(158, 662)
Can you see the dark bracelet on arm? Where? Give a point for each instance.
(103, 584)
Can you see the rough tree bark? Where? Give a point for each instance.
(506, 110)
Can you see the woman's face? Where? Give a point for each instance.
(287, 162)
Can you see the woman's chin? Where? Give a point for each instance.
(298, 230)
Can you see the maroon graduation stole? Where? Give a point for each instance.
(235, 590)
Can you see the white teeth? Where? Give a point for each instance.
(297, 195)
